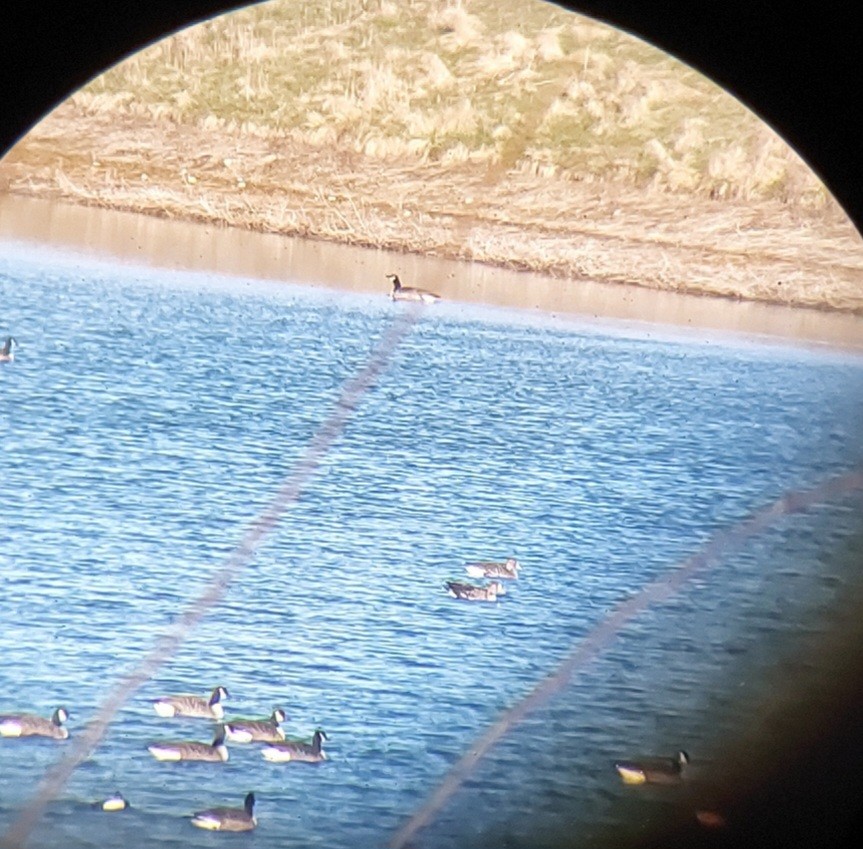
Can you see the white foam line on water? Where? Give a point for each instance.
(607, 630)
(83, 745)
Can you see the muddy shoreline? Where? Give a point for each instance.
(179, 244)
(765, 251)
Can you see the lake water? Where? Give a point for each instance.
(149, 417)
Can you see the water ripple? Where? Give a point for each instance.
(146, 421)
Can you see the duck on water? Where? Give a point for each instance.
(410, 293)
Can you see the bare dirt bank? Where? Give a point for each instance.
(761, 250)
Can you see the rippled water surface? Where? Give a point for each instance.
(149, 417)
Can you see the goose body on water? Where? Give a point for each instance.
(471, 592)
(115, 802)
(493, 569)
(257, 730)
(187, 750)
(410, 293)
(184, 705)
(30, 725)
(228, 819)
(7, 352)
(297, 750)
(653, 770)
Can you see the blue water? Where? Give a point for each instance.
(149, 417)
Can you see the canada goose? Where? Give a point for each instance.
(297, 750)
(193, 705)
(409, 293)
(29, 725)
(189, 751)
(115, 802)
(257, 730)
(508, 569)
(471, 592)
(228, 819)
(653, 770)
(7, 352)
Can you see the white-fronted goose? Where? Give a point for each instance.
(491, 569)
(471, 592)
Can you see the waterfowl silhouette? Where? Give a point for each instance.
(29, 725)
(115, 802)
(228, 819)
(297, 750)
(184, 705)
(7, 352)
(184, 750)
(653, 770)
(257, 730)
(471, 592)
(409, 293)
(487, 569)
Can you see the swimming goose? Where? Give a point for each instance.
(193, 705)
(409, 293)
(653, 770)
(112, 803)
(297, 750)
(190, 751)
(257, 730)
(471, 592)
(508, 569)
(228, 819)
(7, 352)
(29, 725)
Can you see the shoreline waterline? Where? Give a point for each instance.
(194, 246)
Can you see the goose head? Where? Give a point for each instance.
(218, 694)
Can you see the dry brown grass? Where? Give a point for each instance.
(456, 81)
(519, 135)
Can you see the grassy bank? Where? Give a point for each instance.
(513, 133)
(525, 85)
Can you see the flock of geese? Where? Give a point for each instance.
(649, 770)
(507, 570)
(277, 748)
